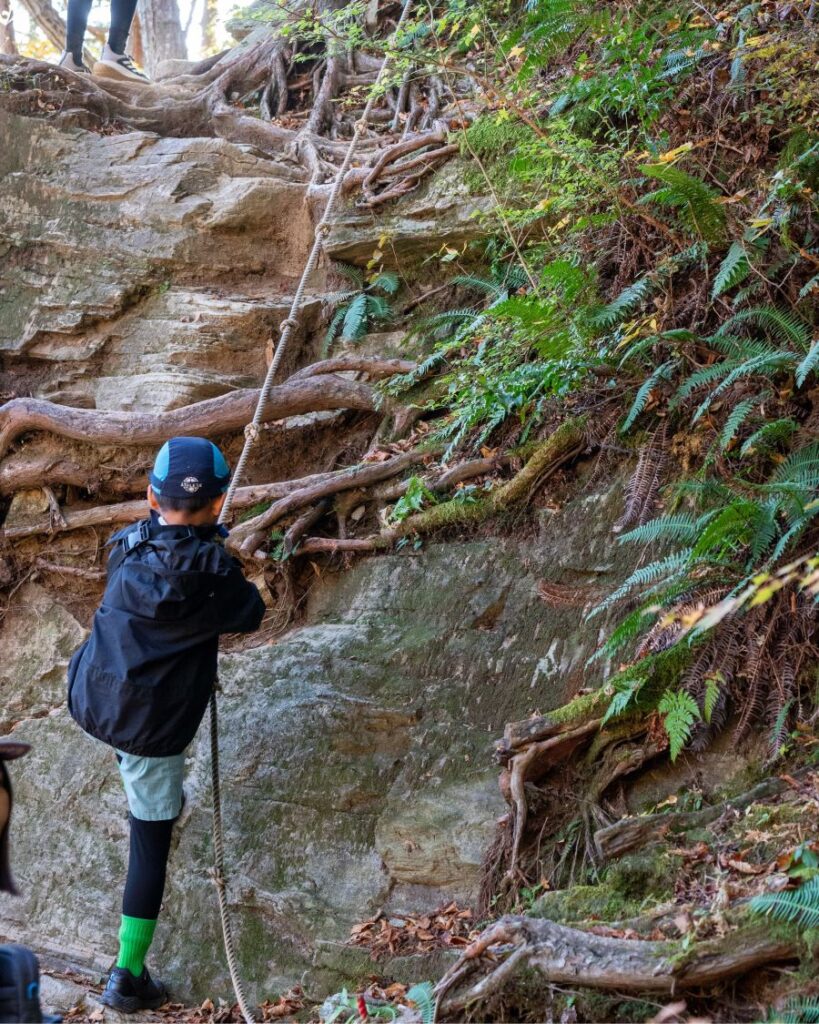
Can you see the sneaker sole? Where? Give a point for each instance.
(131, 1004)
(107, 71)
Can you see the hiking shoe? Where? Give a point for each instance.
(128, 994)
(120, 66)
(67, 61)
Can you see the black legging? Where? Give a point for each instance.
(147, 861)
(122, 14)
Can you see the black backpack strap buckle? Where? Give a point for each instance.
(137, 536)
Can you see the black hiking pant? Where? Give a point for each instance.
(122, 14)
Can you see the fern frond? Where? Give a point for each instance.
(808, 365)
(734, 268)
(799, 907)
(681, 712)
(659, 570)
(387, 281)
(333, 328)
(354, 274)
(780, 324)
(626, 302)
(695, 200)
(769, 436)
(683, 528)
(663, 372)
(736, 418)
(355, 318)
(480, 284)
(765, 365)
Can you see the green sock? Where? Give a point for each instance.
(135, 935)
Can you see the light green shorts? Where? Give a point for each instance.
(153, 785)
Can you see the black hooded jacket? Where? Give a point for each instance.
(142, 679)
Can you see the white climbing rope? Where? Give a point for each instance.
(252, 430)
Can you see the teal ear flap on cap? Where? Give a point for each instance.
(221, 470)
(161, 465)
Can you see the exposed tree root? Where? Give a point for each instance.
(298, 395)
(564, 444)
(247, 537)
(561, 955)
(633, 833)
(130, 511)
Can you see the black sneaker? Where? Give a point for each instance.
(128, 994)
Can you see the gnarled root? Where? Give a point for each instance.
(562, 955)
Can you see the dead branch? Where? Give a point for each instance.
(568, 956)
(209, 418)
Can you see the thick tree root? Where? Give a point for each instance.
(568, 956)
(565, 443)
(130, 511)
(309, 390)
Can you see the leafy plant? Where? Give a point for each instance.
(798, 906)
(359, 307)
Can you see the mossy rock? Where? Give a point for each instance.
(585, 903)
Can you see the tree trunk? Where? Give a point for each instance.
(49, 21)
(8, 44)
(162, 36)
(210, 12)
(137, 49)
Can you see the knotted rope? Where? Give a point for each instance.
(252, 431)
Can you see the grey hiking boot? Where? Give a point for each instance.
(67, 61)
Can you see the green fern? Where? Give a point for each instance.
(626, 302)
(663, 570)
(663, 372)
(799, 906)
(781, 325)
(808, 365)
(769, 436)
(738, 415)
(797, 1010)
(733, 270)
(683, 528)
(423, 996)
(713, 685)
(681, 713)
(693, 199)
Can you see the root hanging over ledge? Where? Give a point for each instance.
(568, 956)
(309, 390)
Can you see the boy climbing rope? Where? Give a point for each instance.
(142, 680)
(114, 62)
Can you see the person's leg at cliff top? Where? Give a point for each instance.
(114, 62)
(153, 786)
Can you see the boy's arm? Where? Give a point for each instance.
(238, 604)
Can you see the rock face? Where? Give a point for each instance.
(357, 769)
(142, 270)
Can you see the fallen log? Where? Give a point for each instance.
(568, 956)
(209, 418)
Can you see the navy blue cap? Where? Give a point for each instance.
(189, 467)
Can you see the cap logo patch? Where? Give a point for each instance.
(191, 484)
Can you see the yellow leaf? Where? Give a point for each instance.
(672, 154)
(516, 51)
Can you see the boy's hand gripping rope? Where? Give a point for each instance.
(251, 436)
